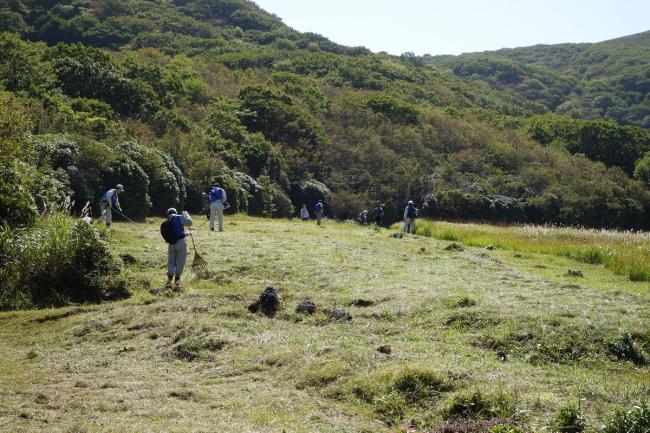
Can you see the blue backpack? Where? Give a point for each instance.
(216, 194)
(411, 212)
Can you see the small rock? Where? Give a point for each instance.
(489, 247)
(503, 356)
(268, 303)
(385, 349)
(306, 307)
(339, 314)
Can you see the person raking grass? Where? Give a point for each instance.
(172, 230)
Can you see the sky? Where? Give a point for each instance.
(457, 26)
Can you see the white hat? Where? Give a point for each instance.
(171, 211)
(120, 187)
(411, 202)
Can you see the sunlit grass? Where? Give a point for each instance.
(623, 252)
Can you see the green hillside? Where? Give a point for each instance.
(221, 90)
(474, 335)
(606, 80)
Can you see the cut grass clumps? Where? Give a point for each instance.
(189, 345)
(568, 420)
(417, 384)
(549, 344)
(624, 348)
(454, 246)
(634, 420)
(393, 393)
(57, 262)
(459, 302)
(470, 320)
(478, 405)
(479, 426)
(320, 374)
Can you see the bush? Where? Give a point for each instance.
(635, 420)
(282, 207)
(568, 420)
(17, 206)
(624, 348)
(309, 192)
(57, 262)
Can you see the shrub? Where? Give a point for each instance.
(635, 420)
(310, 191)
(282, 206)
(624, 348)
(17, 206)
(568, 420)
(57, 262)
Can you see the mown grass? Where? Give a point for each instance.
(473, 335)
(623, 252)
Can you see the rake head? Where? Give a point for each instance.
(198, 264)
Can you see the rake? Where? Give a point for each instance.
(198, 264)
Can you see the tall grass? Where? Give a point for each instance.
(624, 252)
(56, 262)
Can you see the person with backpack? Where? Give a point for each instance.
(108, 202)
(410, 214)
(217, 204)
(378, 214)
(172, 230)
(304, 213)
(318, 210)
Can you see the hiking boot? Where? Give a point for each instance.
(177, 286)
(168, 285)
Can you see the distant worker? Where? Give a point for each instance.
(318, 210)
(410, 214)
(304, 213)
(362, 218)
(174, 234)
(218, 202)
(378, 214)
(108, 202)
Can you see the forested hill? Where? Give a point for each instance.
(167, 97)
(606, 80)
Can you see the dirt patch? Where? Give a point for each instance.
(362, 303)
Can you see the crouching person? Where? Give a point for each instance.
(174, 234)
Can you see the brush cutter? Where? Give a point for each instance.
(198, 264)
(127, 218)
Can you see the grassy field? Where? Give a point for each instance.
(623, 252)
(510, 329)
